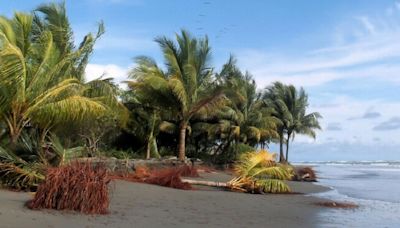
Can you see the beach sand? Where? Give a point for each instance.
(143, 205)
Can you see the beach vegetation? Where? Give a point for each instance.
(43, 89)
(258, 172)
(50, 114)
(185, 88)
(289, 106)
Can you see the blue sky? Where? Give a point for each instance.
(345, 53)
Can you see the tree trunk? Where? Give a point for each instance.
(281, 155)
(287, 147)
(43, 147)
(182, 140)
(151, 136)
(15, 131)
(206, 183)
(148, 148)
(154, 149)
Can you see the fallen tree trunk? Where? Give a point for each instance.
(206, 183)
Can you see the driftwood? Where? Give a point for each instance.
(206, 183)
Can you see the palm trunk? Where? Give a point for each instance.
(15, 127)
(206, 183)
(287, 147)
(148, 148)
(151, 136)
(154, 150)
(43, 147)
(281, 155)
(182, 142)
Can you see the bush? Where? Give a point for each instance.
(78, 186)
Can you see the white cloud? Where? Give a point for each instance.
(118, 73)
(342, 109)
(374, 53)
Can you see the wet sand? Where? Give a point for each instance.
(143, 205)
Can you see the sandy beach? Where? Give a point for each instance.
(143, 205)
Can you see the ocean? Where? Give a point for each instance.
(374, 186)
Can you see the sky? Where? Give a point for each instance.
(344, 53)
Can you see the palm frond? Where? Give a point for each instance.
(273, 186)
(21, 177)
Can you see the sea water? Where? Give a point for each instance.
(374, 186)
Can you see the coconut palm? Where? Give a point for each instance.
(38, 85)
(301, 122)
(185, 87)
(242, 120)
(145, 124)
(254, 122)
(274, 97)
(290, 106)
(257, 172)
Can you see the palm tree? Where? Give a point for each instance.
(42, 87)
(274, 97)
(185, 87)
(290, 106)
(254, 123)
(41, 74)
(256, 172)
(301, 123)
(144, 123)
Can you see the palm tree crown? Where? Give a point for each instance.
(290, 106)
(185, 84)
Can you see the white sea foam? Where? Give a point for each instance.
(365, 184)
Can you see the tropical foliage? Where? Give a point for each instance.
(50, 114)
(258, 173)
(185, 88)
(42, 85)
(290, 106)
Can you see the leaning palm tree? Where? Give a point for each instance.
(257, 172)
(301, 122)
(144, 123)
(185, 87)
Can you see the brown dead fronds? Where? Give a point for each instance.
(79, 186)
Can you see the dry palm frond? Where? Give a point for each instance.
(167, 177)
(78, 186)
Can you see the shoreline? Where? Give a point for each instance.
(144, 205)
